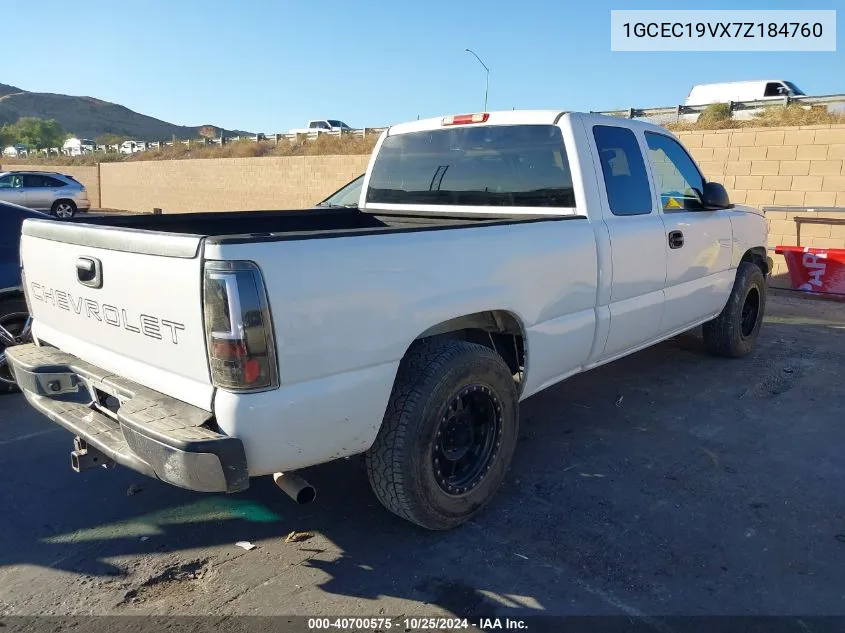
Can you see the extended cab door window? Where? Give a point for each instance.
(623, 168)
(676, 175)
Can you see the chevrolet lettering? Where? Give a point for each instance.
(146, 324)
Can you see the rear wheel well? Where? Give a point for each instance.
(500, 330)
(757, 256)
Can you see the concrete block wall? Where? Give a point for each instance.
(88, 176)
(226, 184)
(780, 167)
(797, 166)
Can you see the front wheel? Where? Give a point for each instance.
(64, 209)
(734, 332)
(448, 434)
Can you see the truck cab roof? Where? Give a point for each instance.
(515, 117)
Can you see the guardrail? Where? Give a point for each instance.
(143, 146)
(735, 106)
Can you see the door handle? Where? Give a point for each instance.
(676, 239)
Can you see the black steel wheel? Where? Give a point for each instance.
(448, 434)
(734, 332)
(750, 313)
(467, 440)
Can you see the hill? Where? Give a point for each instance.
(7, 90)
(87, 117)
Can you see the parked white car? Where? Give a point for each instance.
(491, 256)
(15, 151)
(78, 146)
(322, 125)
(130, 147)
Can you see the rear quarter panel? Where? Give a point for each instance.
(345, 310)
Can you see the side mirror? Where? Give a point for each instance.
(715, 196)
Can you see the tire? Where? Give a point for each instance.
(734, 332)
(13, 317)
(64, 209)
(442, 390)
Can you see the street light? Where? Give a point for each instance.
(487, 77)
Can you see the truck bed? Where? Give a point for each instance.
(240, 226)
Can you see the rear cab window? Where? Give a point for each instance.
(496, 165)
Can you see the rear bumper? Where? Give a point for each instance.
(150, 433)
(83, 205)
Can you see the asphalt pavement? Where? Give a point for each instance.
(667, 483)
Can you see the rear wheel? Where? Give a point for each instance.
(14, 330)
(63, 209)
(448, 434)
(734, 332)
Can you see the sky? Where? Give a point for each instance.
(271, 65)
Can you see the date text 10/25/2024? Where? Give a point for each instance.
(417, 624)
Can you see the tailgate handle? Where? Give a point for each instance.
(89, 272)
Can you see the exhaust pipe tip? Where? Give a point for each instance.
(295, 487)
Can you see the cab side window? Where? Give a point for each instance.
(625, 177)
(775, 89)
(676, 175)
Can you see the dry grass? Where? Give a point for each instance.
(321, 146)
(717, 117)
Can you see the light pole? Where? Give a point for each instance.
(487, 76)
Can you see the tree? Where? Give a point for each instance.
(208, 131)
(35, 133)
(111, 139)
(6, 137)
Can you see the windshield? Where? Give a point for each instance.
(336, 123)
(508, 165)
(795, 89)
(346, 196)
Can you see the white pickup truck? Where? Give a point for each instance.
(322, 125)
(492, 255)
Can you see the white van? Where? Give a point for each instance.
(130, 147)
(78, 146)
(704, 94)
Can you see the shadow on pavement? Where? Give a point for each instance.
(669, 482)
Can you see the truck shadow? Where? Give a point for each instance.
(642, 486)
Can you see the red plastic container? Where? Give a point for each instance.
(815, 269)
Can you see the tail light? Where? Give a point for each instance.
(238, 329)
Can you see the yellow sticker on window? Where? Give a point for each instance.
(673, 204)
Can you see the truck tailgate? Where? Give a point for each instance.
(125, 300)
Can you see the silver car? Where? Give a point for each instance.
(55, 193)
